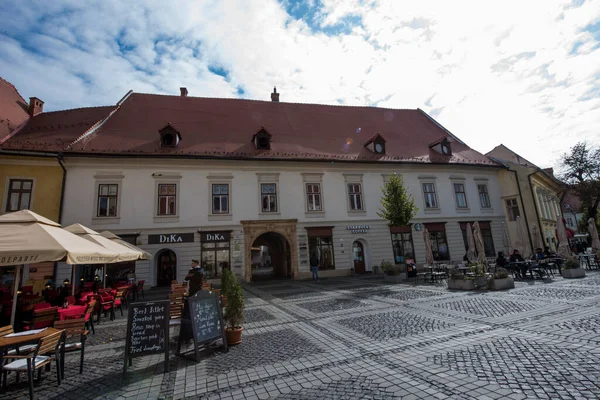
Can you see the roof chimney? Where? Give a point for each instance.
(275, 95)
(36, 106)
(184, 92)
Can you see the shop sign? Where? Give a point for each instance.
(223, 236)
(418, 227)
(358, 228)
(171, 238)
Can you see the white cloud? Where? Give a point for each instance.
(525, 74)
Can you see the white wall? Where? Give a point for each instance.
(137, 204)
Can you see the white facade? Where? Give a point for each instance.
(137, 204)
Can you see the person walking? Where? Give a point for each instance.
(314, 267)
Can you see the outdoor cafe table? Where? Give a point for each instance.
(72, 311)
(23, 338)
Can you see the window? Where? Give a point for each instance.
(268, 192)
(484, 197)
(355, 196)
(19, 194)
(459, 194)
(439, 245)
(570, 221)
(313, 196)
(512, 209)
(322, 248)
(107, 200)
(220, 198)
(167, 199)
(403, 247)
(429, 193)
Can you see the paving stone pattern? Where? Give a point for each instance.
(357, 338)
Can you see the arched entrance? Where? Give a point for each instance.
(166, 267)
(285, 228)
(358, 256)
(270, 255)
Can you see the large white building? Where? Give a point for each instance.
(220, 179)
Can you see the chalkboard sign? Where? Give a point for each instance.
(202, 321)
(147, 331)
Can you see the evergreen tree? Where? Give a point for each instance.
(398, 207)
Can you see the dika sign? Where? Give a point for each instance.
(171, 238)
(222, 236)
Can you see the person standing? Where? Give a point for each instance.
(314, 267)
(196, 278)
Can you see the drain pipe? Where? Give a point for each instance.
(60, 158)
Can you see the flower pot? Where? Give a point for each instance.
(573, 273)
(502, 283)
(234, 335)
(400, 278)
(461, 284)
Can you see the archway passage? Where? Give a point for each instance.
(270, 257)
(166, 267)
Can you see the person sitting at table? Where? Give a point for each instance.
(516, 256)
(501, 260)
(539, 254)
(547, 252)
(520, 270)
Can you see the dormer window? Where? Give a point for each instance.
(376, 144)
(262, 140)
(169, 136)
(442, 146)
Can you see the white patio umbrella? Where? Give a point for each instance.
(522, 244)
(535, 232)
(143, 255)
(563, 242)
(28, 238)
(594, 235)
(125, 253)
(479, 244)
(428, 251)
(506, 239)
(470, 244)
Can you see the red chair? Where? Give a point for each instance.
(71, 300)
(43, 318)
(27, 289)
(105, 305)
(89, 315)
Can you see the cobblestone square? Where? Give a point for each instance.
(353, 338)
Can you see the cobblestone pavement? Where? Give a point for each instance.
(360, 338)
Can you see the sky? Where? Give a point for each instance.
(524, 73)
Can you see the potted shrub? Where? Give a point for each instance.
(572, 269)
(392, 273)
(501, 280)
(234, 314)
(475, 279)
(227, 279)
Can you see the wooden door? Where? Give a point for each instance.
(358, 252)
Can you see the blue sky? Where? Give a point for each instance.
(525, 74)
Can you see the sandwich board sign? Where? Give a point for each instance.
(202, 323)
(147, 331)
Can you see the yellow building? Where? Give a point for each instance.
(34, 179)
(533, 194)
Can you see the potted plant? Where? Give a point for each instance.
(227, 279)
(398, 208)
(234, 314)
(572, 269)
(501, 280)
(392, 273)
(476, 278)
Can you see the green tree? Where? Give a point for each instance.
(397, 206)
(581, 170)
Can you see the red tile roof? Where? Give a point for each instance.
(13, 109)
(224, 128)
(54, 131)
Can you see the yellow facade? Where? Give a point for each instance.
(47, 176)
